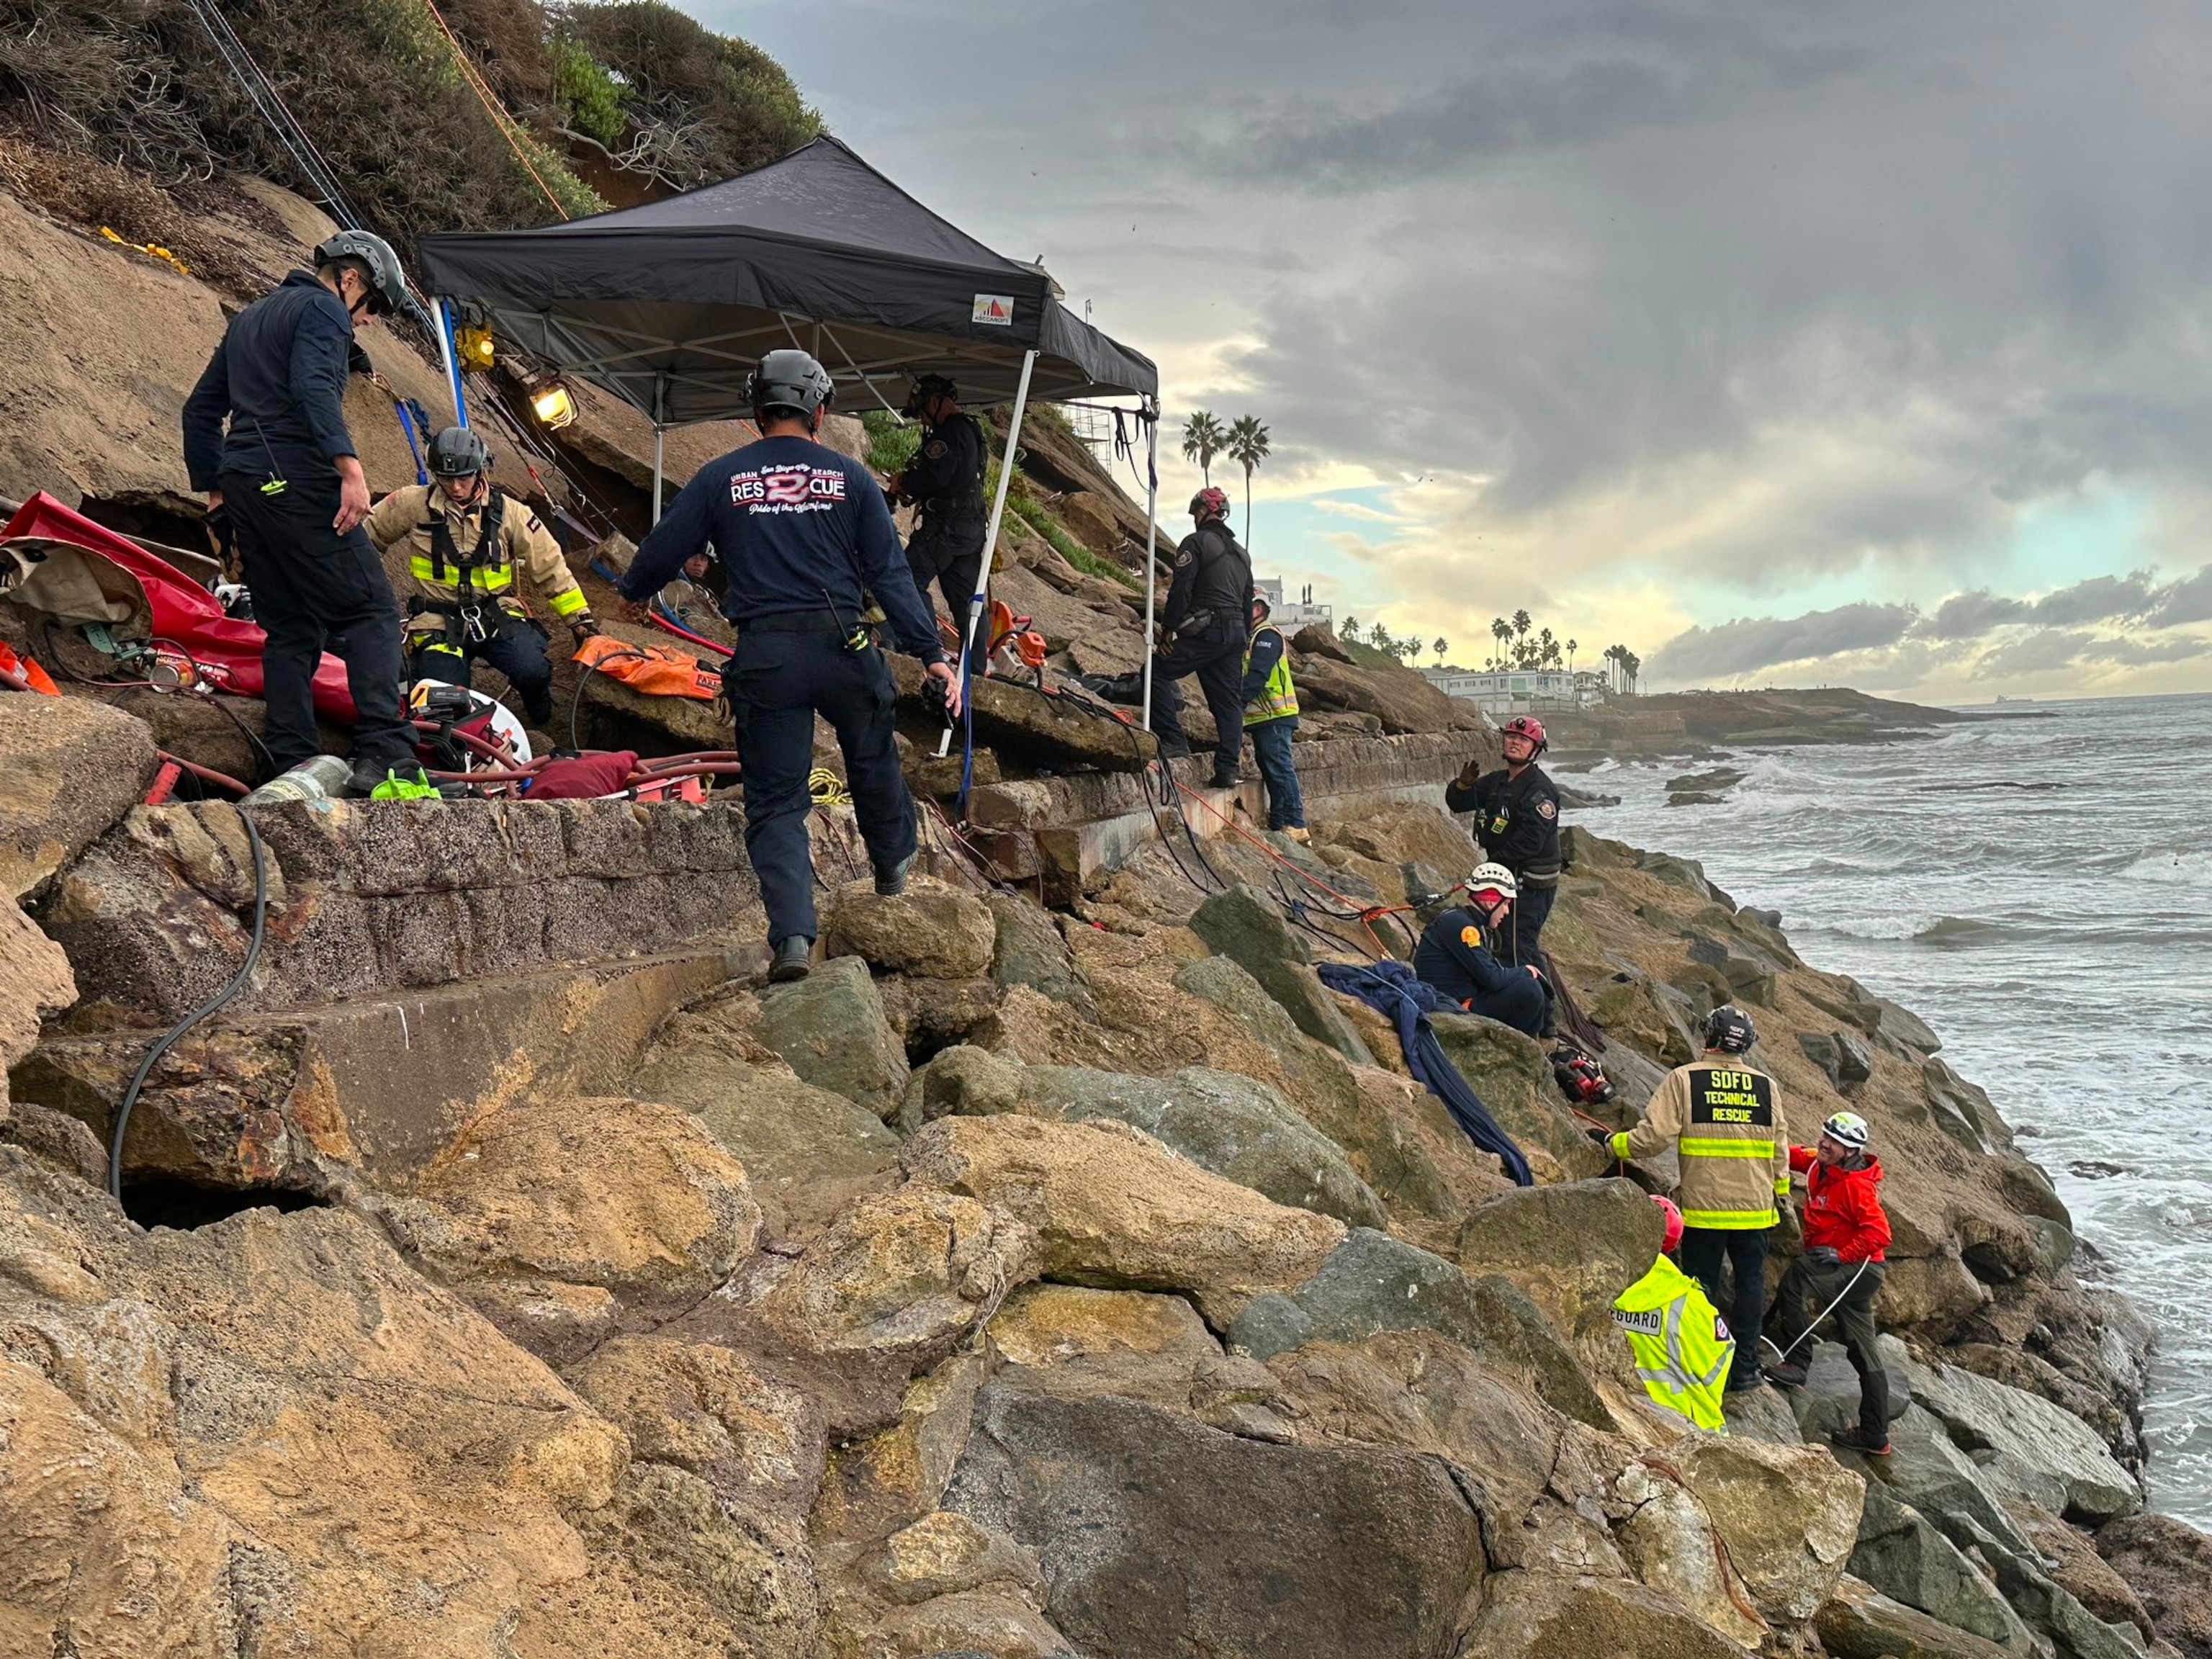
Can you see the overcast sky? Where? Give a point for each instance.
(1782, 342)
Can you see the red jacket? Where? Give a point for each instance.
(1843, 1210)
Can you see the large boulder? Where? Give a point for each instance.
(1156, 1535)
(830, 1027)
(1537, 1615)
(2028, 1447)
(1670, 1544)
(1789, 1516)
(1576, 1247)
(1512, 1074)
(69, 768)
(1860, 1622)
(1115, 1208)
(931, 930)
(1250, 929)
(2168, 1564)
(1641, 1010)
(1220, 1121)
(1374, 1283)
(1070, 1339)
(34, 982)
(629, 1196)
(1027, 949)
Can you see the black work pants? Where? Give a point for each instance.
(1848, 1293)
(952, 557)
(786, 670)
(1519, 1003)
(1217, 657)
(1744, 1250)
(514, 647)
(313, 588)
(1530, 911)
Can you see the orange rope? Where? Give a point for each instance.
(505, 124)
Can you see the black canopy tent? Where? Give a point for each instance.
(668, 306)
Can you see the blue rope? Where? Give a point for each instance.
(407, 426)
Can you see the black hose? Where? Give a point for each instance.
(237, 984)
(576, 699)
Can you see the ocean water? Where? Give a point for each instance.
(2039, 889)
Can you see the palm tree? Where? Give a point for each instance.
(1202, 440)
(1570, 656)
(1548, 649)
(1440, 646)
(1613, 656)
(1634, 664)
(1247, 446)
(1348, 629)
(1379, 637)
(1501, 630)
(1521, 626)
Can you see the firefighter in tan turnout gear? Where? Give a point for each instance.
(1723, 1116)
(468, 542)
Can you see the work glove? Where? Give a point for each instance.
(1598, 1132)
(1468, 774)
(582, 626)
(1824, 1255)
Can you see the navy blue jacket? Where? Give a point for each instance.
(1453, 956)
(799, 527)
(279, 376)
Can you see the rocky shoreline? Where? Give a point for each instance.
(1027, 1282)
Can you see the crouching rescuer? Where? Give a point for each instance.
(1459, 956)
(466, 539)
(804, 536)
(1683, 1349)
(1846, 1238)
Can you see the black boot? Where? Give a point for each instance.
(790, 961)
(891, 882)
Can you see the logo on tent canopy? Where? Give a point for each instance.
(997, 309)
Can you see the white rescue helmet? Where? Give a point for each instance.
(1493, 877)
(1849, 1128)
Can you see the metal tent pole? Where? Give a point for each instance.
(659, 408)
(991, 537)
(1151, 550)
(452, 367)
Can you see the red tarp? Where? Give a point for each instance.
(228, 651)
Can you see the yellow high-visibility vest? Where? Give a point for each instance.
(1682, 1346)
(1278, 697)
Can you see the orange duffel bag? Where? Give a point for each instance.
(654, 670)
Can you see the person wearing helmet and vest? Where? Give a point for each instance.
(1847, 1239)
(285, 477)
(945, 480)
(467, 544)
(1516, 819)
(1206, 615)
(1683, 1350)
(803, 537)
(1723, 1116)
(1271, 716)
(1458, 955)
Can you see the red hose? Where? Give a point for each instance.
(165, 781)
(206, 774)
(661, 621)
(488, 750)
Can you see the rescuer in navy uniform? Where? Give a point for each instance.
(804, 536)
(1516, 819)
(287, 478)
(1208, 607)
(945, 480)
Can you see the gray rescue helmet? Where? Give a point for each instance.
(457, 453)
(1729, 1028)
(924, 388)
(791, 380)
(387, 284)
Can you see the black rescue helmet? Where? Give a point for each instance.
(924, 388)
(457, 453)
(1728, 1029)
(387, 286)
(791, 380)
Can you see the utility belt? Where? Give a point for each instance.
(1545, 875)
(1199, 623)
(470, 621)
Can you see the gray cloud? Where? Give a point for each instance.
(1969, 616)
(2136, 652)
(1703, 655)
(2035, 653)
(2100, 598)
(2186, 601)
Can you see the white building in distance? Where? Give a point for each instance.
(1292, 615)
(1510, 691)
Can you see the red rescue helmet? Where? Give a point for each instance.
(1529, 726)
(1211, 502)
(1673, 1218)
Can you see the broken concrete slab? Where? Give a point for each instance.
(69, 768)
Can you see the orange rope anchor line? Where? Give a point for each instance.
(505, 124)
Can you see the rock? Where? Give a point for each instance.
(1066, 1339)
(1027, 949)
(69, 768)
(1902, 1556)
(944, 1554)
(1512, 1073)
(1900, 1030)
(34, 982)
(1640, 1010)
(2047, 1606)
(1926, 1472)
(804, 1150)
(1020, 722)
(1115, 1208)
(832, 1029)
(1821, 1050)
(1695, 798)
(1400, 698)
(2071, 1559)
(2168, 1564)
(906, 1273)
(1532, 1615)
(1158, 1536)
(1859, 1622)
(1764, 1415)
(59, 1139)
(1373, 1283)
(101, 1551)
(2027, 1446)
(932, 930)
(1319, 640)
(625, 1194)
(1220, 1121)
(1577, 1246)
(1670, 1544)
(1249, 929)
(1789, 1516)
(1678, 873)
(975, 1625)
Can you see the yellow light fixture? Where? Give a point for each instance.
(553, 405)
(475, 346)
